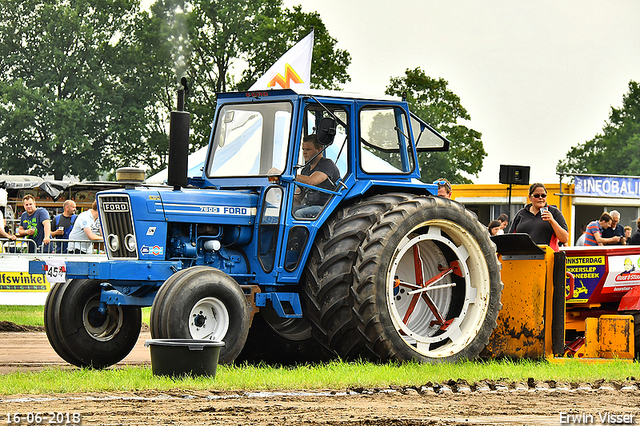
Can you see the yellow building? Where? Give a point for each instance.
(488, 201)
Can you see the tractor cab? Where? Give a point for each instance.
(257, 144)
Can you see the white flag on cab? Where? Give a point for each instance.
(292, 70)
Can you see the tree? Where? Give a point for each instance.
(67, 102)
(86, 86)
(615, 150)
(158, 44)
(431, 100)
(252, 35)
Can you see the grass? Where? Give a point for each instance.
(22, 315)
(333, 375)
(34, 315)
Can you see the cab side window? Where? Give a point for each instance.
(319, 166)
(385, 146)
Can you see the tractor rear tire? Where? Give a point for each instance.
(202, 303)
(82, 335)
(349, 281)
(427, 283)
(328, 276)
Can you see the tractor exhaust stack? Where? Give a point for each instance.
(179, 142)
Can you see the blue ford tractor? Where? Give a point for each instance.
(383, 270)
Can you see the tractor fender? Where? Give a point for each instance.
(631, 300)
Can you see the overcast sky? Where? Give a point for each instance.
(537, 77)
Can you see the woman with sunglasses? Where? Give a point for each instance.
(544, 223)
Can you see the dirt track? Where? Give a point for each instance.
(432, 404)
(28, 351)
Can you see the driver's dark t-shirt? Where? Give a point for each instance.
(326, 166)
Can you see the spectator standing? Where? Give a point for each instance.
(3, 233)
(580, 240)
(615, 230)
(544, 223)
(34, 223)
(593, 236)
(82, 230)
(8, 214)
(635, 239)
(504, 222)
(444, 188)
(62, 224)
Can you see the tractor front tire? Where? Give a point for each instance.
(80, 333)
(202, 303)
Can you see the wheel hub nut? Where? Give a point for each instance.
(199, 320)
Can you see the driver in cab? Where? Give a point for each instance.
(317, 171)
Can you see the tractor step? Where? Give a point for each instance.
(286, 305)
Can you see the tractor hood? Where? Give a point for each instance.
(163, 205)
(136, 221)
(215, 207)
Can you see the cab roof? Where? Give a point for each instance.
(311, 92)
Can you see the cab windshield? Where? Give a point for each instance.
(250, 139)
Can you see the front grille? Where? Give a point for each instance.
(117, 226)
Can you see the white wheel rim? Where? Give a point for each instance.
(414, 325)
(105, 330)
(209, 319)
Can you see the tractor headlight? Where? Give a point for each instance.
(130, 242)
(113, 242)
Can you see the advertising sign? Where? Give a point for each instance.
(607, 186)
(624, 274)
(23, 281)
(602, 278)
(587, 271)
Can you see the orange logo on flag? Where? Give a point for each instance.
(290, 75)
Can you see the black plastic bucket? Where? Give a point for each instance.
(184, 357)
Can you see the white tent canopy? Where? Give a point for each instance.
(194, 167)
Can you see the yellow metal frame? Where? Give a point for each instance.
(609, 336)
(524, 323)
(526, 301)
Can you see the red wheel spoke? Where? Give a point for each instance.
(432, 307)
(438, 276)
(417, 263)
(421, 285)
(454, 267)
(412, 306)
